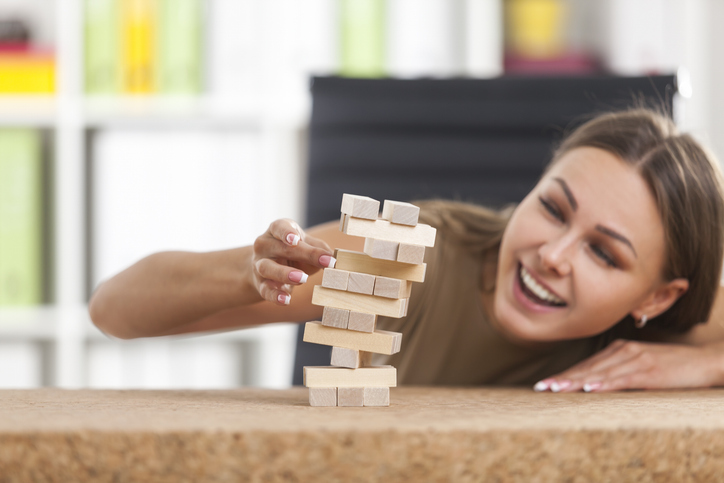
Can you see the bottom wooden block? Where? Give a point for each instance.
(375, 376)
(351, 396)
(351, 358)
(377, 396)
(323, 396)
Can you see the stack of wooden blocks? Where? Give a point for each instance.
(360, 287)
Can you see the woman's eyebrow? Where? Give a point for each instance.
(617, 236)
(569, 195)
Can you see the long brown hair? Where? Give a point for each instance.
(685, 181)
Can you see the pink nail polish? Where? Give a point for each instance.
(293, 239)
(592, 386)
(557, 386)
(540, 386)
(327, 261)
(298, 276)
(284, 298)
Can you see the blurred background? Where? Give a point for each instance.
(134, 126)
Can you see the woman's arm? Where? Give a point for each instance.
(179, 292)
(662, 361)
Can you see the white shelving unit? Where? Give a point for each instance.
(63, 328)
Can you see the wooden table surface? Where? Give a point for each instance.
(427, 434)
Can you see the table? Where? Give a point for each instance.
(428, 434)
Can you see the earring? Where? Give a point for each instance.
(641, 322)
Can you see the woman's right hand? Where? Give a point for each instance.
(284, 257)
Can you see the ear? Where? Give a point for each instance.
(663, 298)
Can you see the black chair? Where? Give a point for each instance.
(484, 141)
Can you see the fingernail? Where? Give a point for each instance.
(540, 386)
(558, 386)
(298, 276)
(327, 261)
(284, 298)
(293, 239)
(591, 386)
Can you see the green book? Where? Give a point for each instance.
(363, 38)
(102, 32)
(179, 46)
(21, 217)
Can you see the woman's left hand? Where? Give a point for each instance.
(626, 364)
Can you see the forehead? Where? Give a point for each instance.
(610, 192)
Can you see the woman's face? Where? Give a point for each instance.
(582, 250)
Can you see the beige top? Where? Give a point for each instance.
(448, 338)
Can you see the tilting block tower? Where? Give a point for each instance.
(360, 287)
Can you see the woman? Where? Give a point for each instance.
(596, 281)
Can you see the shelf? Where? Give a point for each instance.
(160, 111)
(28, 111)
(42, 324)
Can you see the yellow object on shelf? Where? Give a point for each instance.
(27, 73)
(536, 28)
(138, 29)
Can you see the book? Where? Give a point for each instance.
(27, 72)
(21, 217)
(232, 58)
(179, 46)
(424, 38)
(102, 47)
(362, 44)
(138, 45)
(483, 38)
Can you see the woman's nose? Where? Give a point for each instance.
(555, 255)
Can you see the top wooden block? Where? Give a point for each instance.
(360, 206)
(400, 213)
(384, 230)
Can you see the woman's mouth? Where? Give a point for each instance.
(535, 292)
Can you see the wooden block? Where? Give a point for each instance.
(376, 376)
(323, 396)
(351, 396)
(379, 341)
(352, 358)
(363, 263)
(358, 302)
(383, 249)
(384, 230)
(408, 253)
(407, 306)
(334, 317)
(335, 278)
(377, 396)
(400, 213)
(392, 288)
(361, 322)
(360, 206)
(361, 283)
(342, 220)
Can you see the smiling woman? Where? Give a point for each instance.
(589, 283)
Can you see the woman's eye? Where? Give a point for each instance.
(603, 255)
(551, 208)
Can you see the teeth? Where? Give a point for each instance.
(537, 289)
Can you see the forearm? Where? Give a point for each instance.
(172, 289)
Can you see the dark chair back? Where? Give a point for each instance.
(484, 141)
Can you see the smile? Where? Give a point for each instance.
(536, 292)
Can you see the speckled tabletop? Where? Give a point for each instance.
(428, 434)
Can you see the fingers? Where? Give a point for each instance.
(275, 292)
(618, 359)
(285, 241)
(270, 270)
(287, 231)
